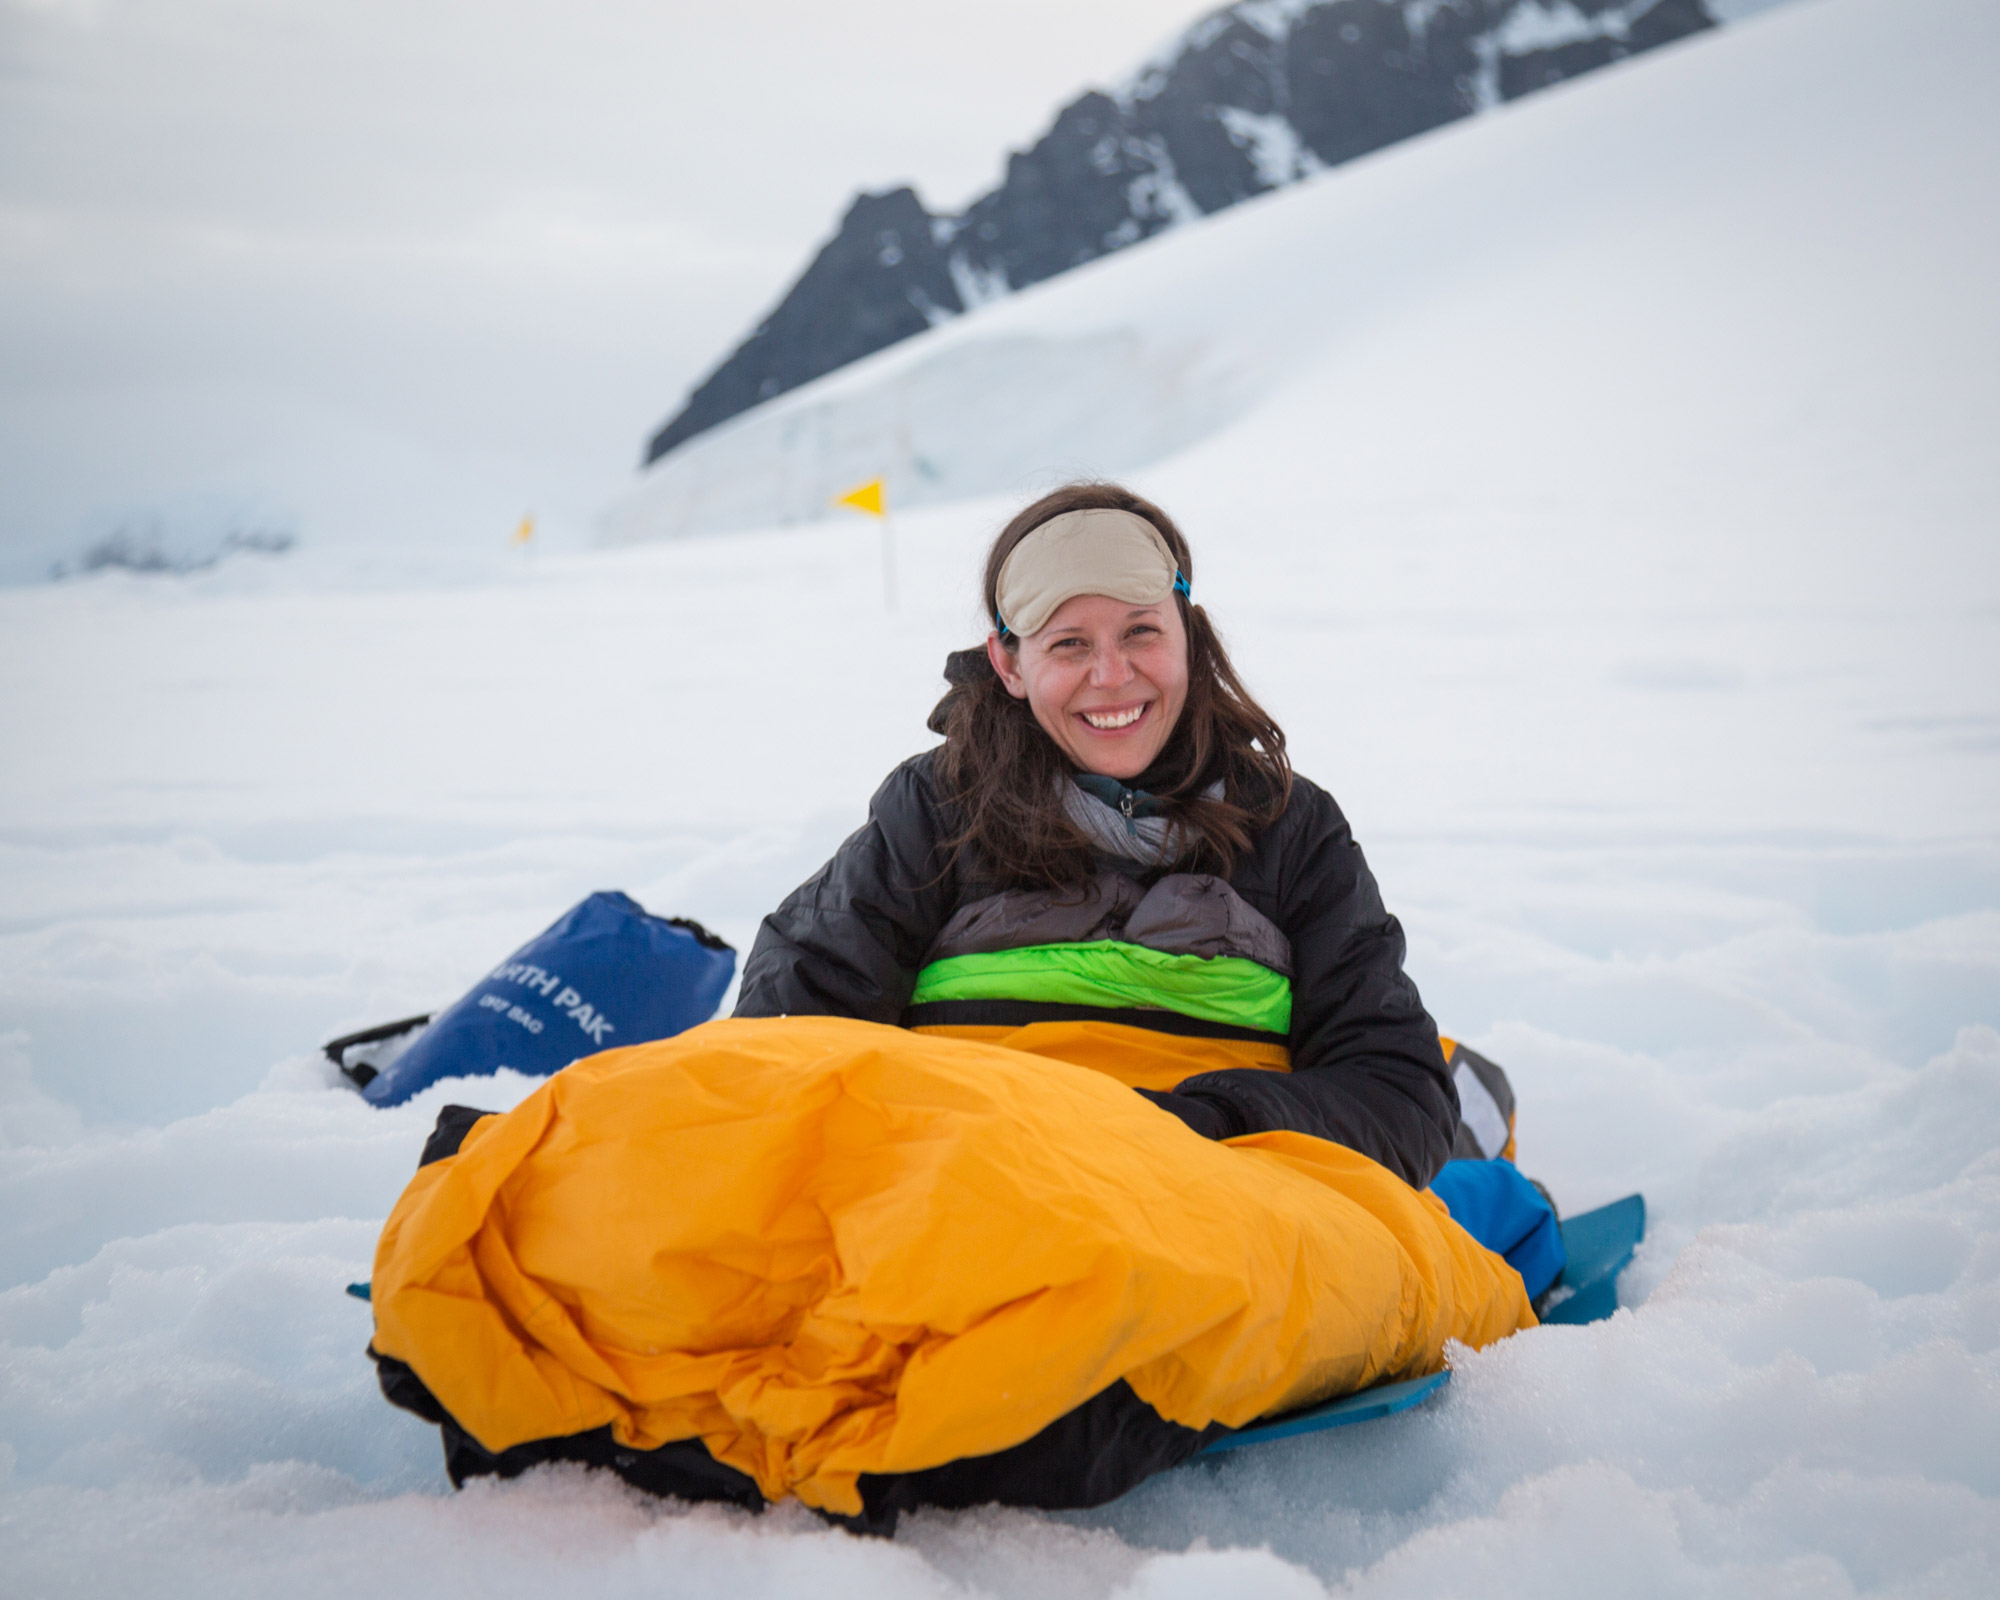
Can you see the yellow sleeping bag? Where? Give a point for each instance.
(831, 1251)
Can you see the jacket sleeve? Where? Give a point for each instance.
(1367, 1069)
(848, 941)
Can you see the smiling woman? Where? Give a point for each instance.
(928, 1223)
(1110, 862)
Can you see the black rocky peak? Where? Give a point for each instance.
(1251, 98)
(1359, 77)
(1093, 183)
(879, 279)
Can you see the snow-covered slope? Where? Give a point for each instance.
(1247, 99)
(1630, 579)
(1716, 200)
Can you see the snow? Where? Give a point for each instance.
(1542, 25)
(1277, 154)
(1616, 543)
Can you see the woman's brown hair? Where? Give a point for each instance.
(1005, 776)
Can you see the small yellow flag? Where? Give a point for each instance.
(525, 532)
(867, 498)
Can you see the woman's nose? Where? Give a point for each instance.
(1108, 669)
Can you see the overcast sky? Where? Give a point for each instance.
(406, 270)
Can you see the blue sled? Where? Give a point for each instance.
(1599, 1244)
(1363, 1407)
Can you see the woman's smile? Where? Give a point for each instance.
(1118, 721)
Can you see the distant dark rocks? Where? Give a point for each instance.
(1249, 99)
(153, 548)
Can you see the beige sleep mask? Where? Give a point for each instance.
(1095, 551)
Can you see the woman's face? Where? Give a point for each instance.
(1106, 680)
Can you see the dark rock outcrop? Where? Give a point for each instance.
(1251, 98)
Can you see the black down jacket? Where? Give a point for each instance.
(1367, 1070)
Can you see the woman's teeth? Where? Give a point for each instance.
(1108, 720)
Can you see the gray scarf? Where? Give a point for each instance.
(1150, 841)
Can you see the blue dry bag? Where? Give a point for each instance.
(608, 973)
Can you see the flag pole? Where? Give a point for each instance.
(871, 499)
(888, 564)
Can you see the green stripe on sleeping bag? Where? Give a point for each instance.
(1109, 972)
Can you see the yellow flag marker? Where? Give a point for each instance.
(871, 500)
(867, 498)
(525, 532)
